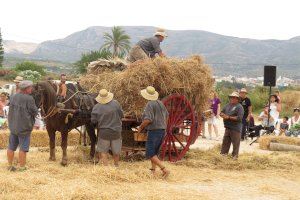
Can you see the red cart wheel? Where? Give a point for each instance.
(181, 128)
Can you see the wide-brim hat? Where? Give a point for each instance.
(104, 97)
(244, 90)
(234, 94)
(161, 32)
(18, 79)
(150, 93)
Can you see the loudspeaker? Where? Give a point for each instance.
(270, 75)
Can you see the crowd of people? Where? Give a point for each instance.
(239, 120)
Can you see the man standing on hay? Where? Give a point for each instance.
(232, 115)
(108, 114)
(21, 117)
(148, 48)
(155, 122)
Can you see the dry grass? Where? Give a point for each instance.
(264, 142)
(213, 160)
(40, 138)
(203, 175)
(190, 77)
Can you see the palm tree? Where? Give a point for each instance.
(118, 41)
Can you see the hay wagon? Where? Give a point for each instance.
(182, 130)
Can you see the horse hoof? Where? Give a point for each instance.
(52, 159)
(64, 163)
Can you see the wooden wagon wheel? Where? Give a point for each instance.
(181, 128)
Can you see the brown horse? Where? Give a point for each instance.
(78, 106)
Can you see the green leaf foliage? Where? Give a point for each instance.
(118, 42)
(30, 66)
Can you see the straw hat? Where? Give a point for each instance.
(18, 79)
(244, 90)
(161, 32)
(104, 97)
(150, 93)
(234, 94)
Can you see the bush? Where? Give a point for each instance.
(4, 72)
(31, 75)
(30, 66)
(10, 76)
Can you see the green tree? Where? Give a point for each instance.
(81, 65)
(30, 66)
(1, 50)
(118, 42)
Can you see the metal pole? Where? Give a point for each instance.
(269, 109)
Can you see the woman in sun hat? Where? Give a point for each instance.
(148, 47)
(232, 115)
(108, 114)
(155, 122)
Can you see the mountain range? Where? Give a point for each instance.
(226, 54)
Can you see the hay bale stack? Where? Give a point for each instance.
(264, 141)
(190, 77)
(41, 139)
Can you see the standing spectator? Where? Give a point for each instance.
(39, 124)
(275, 108)
(232, 114)
(296, 118)
(15, 89)
(108, 114)
(246, 103)
(22, 112)
(3, 103)
(155, 122)
(212, 121)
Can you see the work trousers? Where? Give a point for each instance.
(234, 137)
(244, 127)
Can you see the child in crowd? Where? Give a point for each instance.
(284, 126)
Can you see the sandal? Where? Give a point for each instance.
(12, 169)
(152, 170)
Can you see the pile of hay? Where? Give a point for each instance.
(100, 65)
(264, 142)
(41, 139)
(190, 77)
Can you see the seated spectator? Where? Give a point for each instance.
(266, 122)
(284, 126)
(295, 124)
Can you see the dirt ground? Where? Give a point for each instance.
(258, 174)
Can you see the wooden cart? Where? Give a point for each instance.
(181, 130)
